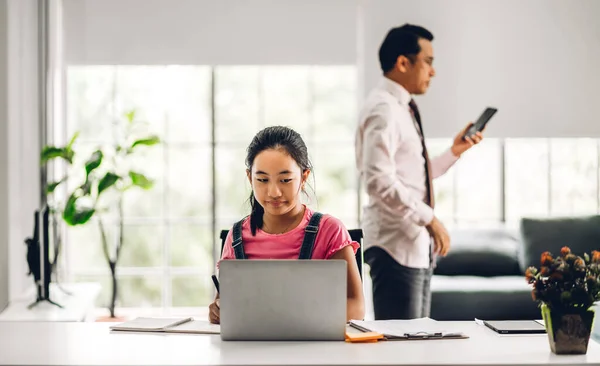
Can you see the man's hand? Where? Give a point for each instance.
(441, 239)
(214, 312)
(461, 144)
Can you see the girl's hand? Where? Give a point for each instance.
(214, 312)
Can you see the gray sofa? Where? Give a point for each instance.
(483, 275)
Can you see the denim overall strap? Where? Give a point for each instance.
(310, 234)
(238, 246)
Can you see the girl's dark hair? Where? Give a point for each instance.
(274, 137)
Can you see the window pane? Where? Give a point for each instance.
(233, 188)
(334, 181)
(286, 97)
(189, 182)
(185, 93)
(334, 103)
(574, 166)
(479, 183)
(237, 103)
(444, 185)
(526, 178)
(133, 291)
(145, 90)
(195, 290)
(142, 291)
(138, 202)
(85, 247)
(142, 246)
(191, 245)
(90, 101)
(174, 100)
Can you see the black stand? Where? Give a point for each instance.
(39, 299)
(38, 257)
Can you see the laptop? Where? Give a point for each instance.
(515, 326)
(288, 300)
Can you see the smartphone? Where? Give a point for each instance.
(481, 121)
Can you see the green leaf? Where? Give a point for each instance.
(70, 145)
(52, 185)
(82, 216)
(93, 162)
(130, 116)
(107, 181)
(148, 141)
(52, 152)
(74, 214)
(141, 180)
(86, 188)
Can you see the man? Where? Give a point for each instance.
(402, 234)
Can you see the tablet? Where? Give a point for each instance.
(515, 326)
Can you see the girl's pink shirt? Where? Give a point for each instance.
(331, 237)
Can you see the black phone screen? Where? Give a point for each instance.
(478, 126)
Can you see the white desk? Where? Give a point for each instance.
(75, 307)
(50, 343)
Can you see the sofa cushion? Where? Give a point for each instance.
(480, 252)
(581, 234)
(488, 298)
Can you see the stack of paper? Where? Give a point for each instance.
(422, 328)
(168, 325)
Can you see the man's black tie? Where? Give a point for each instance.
(428, 179)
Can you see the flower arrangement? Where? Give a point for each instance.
(567, 283)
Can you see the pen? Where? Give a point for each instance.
(216, 282)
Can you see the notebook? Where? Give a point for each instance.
(413, 329)
(168, 325)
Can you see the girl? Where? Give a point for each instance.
(278, 168)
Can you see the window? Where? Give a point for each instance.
(539, 178)
(205, 117)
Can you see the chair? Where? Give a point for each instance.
(355, 234)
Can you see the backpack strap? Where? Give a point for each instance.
(310, 234)
(238, 246)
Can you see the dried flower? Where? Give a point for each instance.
(546, 258)
(568, 282)
(530, 274)
(579, 263)
(595, 256)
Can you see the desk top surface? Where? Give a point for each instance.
(54, 343)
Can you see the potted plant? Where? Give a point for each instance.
(102, 182)
(566, 287)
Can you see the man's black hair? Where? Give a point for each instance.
(401, 41)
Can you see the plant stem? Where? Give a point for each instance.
(104, 240)
(112, 265)
(113, 298)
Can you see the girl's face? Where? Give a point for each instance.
(277, 181)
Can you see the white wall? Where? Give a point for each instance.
(3, 154)
(536, 60)
(210, 31)
(19, 173)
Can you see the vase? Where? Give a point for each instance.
(568, 332)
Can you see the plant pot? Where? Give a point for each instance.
(568, 333)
